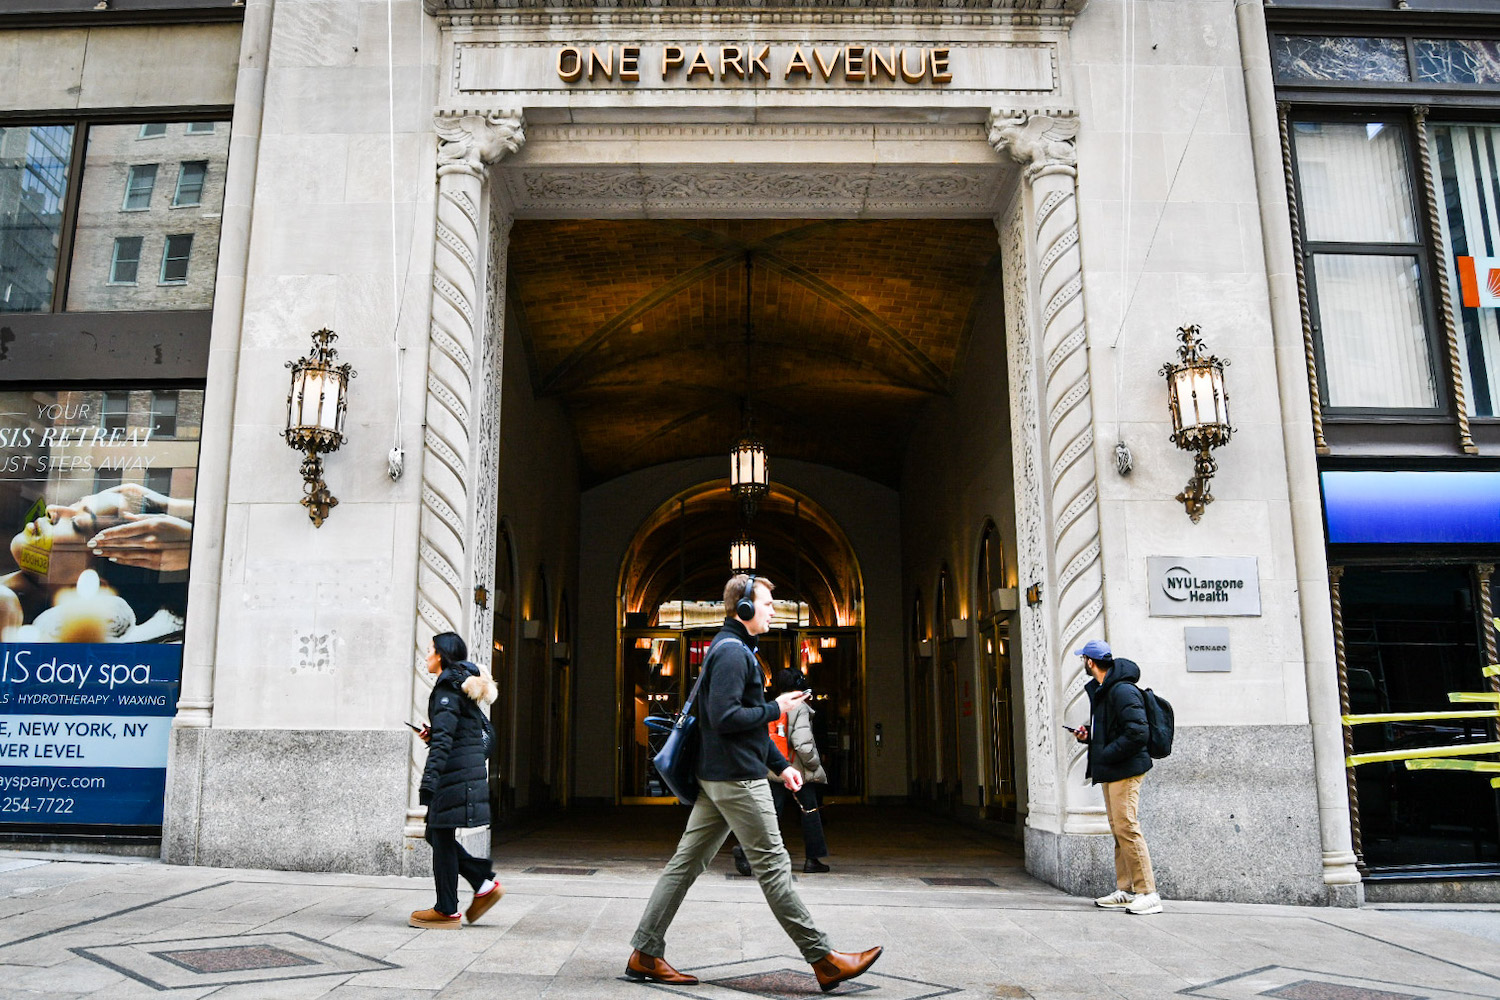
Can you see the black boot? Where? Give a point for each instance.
(741, 863)
(813, 865)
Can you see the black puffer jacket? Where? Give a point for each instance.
(1117, 734)
(454, 785)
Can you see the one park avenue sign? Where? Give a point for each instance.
(789, 63)
(788, 66)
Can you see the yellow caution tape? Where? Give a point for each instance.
(1362, 720)
(1462, 750)
(1489, 766)
(1493, 670)
(1474, 696)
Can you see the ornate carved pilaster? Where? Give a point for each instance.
(1283, 112)
(1044, 145)
(1341, 659)
(1445, 292)
(1031, 529)
(460, 394)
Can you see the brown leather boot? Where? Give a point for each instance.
(642, 967)
(435, 920)
(481, 904)
(838, 966)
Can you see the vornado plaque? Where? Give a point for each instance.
(1203, 586)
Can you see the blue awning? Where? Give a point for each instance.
(1440, 508)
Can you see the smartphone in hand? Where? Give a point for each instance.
(415, 729)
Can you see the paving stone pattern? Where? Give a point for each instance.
(109, 929)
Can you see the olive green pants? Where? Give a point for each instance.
(745, 808)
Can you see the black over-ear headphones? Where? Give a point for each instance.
(744, 608)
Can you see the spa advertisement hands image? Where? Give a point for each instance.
(96, 498)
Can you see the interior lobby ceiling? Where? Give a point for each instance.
(638, 329)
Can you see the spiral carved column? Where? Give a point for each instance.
(1283, 111)
(1044, 146)
(1340, 652)
(458, 396)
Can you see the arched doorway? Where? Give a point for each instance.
(671, 605)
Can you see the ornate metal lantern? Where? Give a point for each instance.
(315, 408)
(749, 474)
(742, 554)
(1200, 414)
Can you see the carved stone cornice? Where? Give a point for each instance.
(469, 141)
(1040, 141)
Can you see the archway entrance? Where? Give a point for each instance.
(671, 582)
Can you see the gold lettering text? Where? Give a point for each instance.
(854, 62)
(759, 64)
(604, 63)
(914, 75)
(828, 68)
(700, 64)
(940, 71)
(798, 64)
(569, 64)
(630, 63)
(731, 57)
(671, 58)
(879, 62)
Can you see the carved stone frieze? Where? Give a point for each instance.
(960, 190)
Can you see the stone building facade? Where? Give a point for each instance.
(935, 255)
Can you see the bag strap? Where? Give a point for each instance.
(687, 708)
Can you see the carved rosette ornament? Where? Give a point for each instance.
(1044, 145)
(459, 383)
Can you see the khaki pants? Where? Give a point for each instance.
(744, 807)
(1132, 859)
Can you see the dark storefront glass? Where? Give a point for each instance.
(1412, 636)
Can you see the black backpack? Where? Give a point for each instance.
(1160, 724)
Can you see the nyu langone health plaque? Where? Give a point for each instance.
(1202, 586)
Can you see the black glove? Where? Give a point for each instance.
(425, 796)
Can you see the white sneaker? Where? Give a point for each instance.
(1117, 900)
(1146, 902)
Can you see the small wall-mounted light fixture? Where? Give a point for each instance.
(924, 649)
(1003, 598)
(1200, 414)
(315, 418)
(531, 628)
(958, 628)
(482, 597)
(1034, 594)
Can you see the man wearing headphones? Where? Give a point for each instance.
(735, 750)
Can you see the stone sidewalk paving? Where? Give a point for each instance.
(112, 929)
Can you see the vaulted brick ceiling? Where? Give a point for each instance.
(638, 328)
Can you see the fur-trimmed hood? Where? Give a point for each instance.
(473, 682)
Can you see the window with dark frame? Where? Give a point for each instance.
(174, 259)
(114, 411)
(107, 479)
(191, 175)
(1363, 243)
(126, 260)
(200, 128)
(159, 481)
(140, 182)
(34, 183)
(164, 413)
(153, 130)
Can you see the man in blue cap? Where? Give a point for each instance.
(1116, 738)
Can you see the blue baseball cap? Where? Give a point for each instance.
(1095, 649)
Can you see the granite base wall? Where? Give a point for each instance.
(320, 800)
(1232, 815)
(1470, 890)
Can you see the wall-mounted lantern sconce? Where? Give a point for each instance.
(315, 418)
(1200, 414)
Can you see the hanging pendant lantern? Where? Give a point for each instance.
(749, 475)
(742, 554)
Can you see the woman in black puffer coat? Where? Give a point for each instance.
(455, 788)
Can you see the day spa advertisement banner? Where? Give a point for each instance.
(96, 499)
